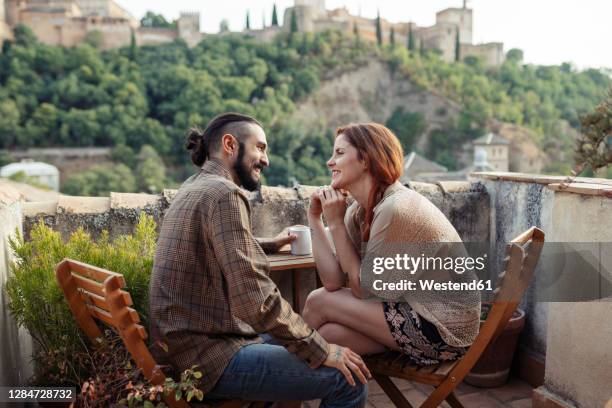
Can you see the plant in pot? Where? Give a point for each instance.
(493, 367)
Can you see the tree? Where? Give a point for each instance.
(94, 38)
(515, 55)
(101, 180)
(133, 47)
(457, 46)
(392, 39)
(356, 34)
(274, 16)
(248, 21)
(151, 171)
(294, 23)
(411, 45)
(224, 26)
(24, 35)
(379, 39)
(407, 126)
(594, 147)
(151, 19)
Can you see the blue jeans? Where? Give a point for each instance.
(268, 372)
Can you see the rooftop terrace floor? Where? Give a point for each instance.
(515, 394)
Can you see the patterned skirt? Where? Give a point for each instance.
(418, 338)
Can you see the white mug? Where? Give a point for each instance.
(302, 245)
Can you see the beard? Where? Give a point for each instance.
(244, 172)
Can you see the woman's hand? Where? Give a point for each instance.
(346, 360)
(315, 210)
(334, 206)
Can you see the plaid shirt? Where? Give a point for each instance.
(210, 291)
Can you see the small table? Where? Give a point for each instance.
(285, 261)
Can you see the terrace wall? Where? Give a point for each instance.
(572, 338)
(16, 344)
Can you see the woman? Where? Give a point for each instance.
(428, 326)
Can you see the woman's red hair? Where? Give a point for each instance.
(384, 158)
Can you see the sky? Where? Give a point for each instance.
(549, 32)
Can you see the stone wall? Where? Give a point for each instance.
(15, 344)
(466, 205)
(573, 338)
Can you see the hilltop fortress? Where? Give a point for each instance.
(69, 22)
(312, 16)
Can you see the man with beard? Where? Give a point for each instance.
(211, 295)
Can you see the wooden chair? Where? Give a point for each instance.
(522, 256)
(95, 294)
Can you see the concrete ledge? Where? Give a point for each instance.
(39, 208)
(132, 200)
(538, 179)
(83, 205)
(542, 398)
(583, 188)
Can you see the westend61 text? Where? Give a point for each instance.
(430, 284)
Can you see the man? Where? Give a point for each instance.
(211, 294)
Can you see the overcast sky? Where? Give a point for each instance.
(548, 31)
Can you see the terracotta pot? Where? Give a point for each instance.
(493, 367)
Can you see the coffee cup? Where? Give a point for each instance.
(302, 245)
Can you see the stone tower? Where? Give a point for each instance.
(189, 27)
(307, 12)
(460, 17)
(318, 6)
(5, 29)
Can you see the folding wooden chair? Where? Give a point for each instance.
(95, 293)
(522, 256)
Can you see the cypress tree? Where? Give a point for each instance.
(379, 38)
(294, 24)
(356, 34)
(392, 39)
(457, 47)
(248, 21)
(274, 16)
(411, 46)
(133, 48)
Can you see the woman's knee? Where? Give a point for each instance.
(317, 299)
(314, 308)
(334, 333)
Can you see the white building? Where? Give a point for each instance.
(42, 173)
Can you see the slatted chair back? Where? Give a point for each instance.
(522, 256)
(96, 294)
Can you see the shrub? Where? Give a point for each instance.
(64, 355)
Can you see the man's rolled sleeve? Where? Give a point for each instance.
(253, 297)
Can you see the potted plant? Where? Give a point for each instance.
(493, 367)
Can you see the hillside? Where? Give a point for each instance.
(141, 100)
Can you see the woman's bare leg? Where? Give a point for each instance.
(365, 317)
(343, 336)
